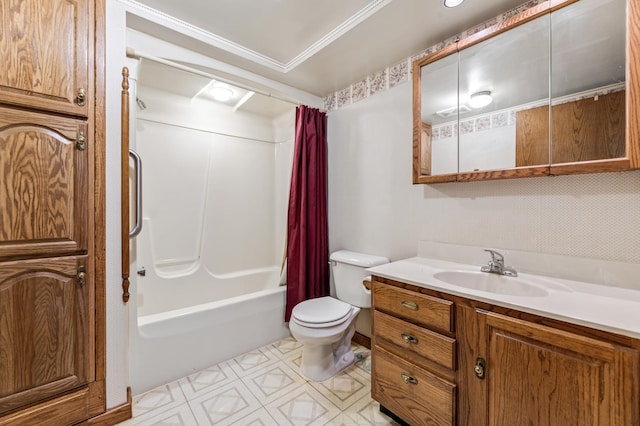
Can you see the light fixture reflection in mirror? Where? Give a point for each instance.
(480, 99)
(452, 3)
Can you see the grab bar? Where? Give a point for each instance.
(137, 163)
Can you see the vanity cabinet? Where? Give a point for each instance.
(508, 367)
(539, 375)
(414, 355)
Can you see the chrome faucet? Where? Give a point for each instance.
(496, 265)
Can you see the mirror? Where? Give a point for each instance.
(510, 70)
(588, 82)
(439, 123)
(556, 82)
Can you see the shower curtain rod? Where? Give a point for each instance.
(210, 131)
(132, 53)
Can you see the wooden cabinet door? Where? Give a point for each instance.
(44, 179)
(537, 375)
(45, 329)
(44, 52)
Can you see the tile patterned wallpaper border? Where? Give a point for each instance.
(399, 73)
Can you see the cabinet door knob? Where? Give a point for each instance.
(409, 338)
(81, 141)
(82, 275)
(479, 368)
(410, 305)
(408, 379)
(81, 97)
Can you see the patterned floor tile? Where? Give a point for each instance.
(274, 381)
(258, 418)
(264, 387)
(178, 416)
(253, 361)
(286, 347)
(345, 388)
(159, 399)
(206, 380)
(363, 412)
(225, 405)
(304, 406)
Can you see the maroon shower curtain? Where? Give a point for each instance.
(307, 240)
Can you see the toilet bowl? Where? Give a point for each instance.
(325, 325)
(326, 349)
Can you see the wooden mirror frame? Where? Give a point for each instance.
(422, 154)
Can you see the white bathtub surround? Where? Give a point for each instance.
(263, 386)
(214, 213)
(597, 305)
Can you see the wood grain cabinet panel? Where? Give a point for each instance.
(542, 376)
(45, 55)
(45, 329)
(532, 137)
(43, 185)
(581, 130)
(589, 129)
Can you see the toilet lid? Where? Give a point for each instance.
(321, 312)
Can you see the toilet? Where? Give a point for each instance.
(325, 325)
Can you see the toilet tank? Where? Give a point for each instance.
(349, 270)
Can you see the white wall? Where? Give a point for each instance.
(374, 208)
(117, 311)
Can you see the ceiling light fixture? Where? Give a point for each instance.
(452, 3)
(480, 99)
(221, 93)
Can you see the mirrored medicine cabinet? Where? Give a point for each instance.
(550, 91)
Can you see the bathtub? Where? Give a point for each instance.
(174, 343)
(209, 253)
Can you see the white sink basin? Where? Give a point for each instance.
(492, 283)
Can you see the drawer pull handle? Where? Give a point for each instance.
(409, 338)
(409, 379)
(410, 305)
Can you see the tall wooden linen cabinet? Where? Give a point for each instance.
(52, 313)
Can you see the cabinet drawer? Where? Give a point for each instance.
(414, 342)
(418, 308)
(410, 392)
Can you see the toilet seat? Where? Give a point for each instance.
(321, 312)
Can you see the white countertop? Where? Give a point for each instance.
(601, 307)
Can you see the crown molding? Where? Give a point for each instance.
(337, 32)
(183, 27)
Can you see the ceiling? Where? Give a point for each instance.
(155, 75)
(315, 46)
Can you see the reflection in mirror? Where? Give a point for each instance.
(513, 68)
(588, 81)
(439, 144)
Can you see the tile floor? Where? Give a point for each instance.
(263, 387)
